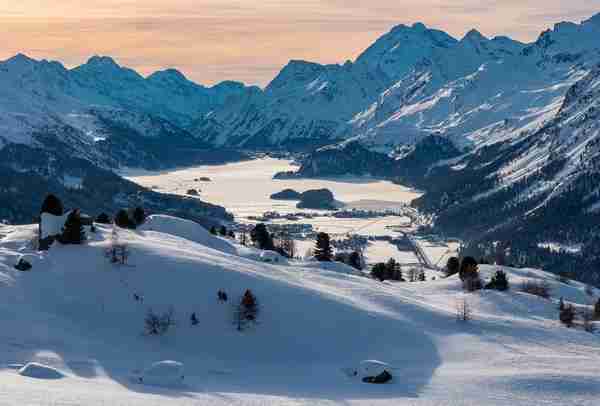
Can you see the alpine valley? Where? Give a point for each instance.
(502, 136)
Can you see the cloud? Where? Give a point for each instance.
(213, 40)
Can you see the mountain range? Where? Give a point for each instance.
(502, 135)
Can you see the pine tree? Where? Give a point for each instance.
(323, 250)
(468, 268)
(139, 216)
(213, 230)
(379, 271)
(122, 219)
(355, 260)
(499, 281)
(597, 310)
(452, 266)
(52, 205)
(261, 237)
(223, 231)
(73, 232)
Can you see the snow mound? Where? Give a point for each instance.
(40, 371)
(188, 230)
(369, 368)
(163, 373)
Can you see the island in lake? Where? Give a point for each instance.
(320, 199)
(286, 194)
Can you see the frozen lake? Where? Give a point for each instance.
(244, 188)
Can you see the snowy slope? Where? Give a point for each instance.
(76, 313)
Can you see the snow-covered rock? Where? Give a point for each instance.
(40, 371)
(163, 373)
(370, 368)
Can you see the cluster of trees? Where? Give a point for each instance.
(222, 231)
(387, 271)
(130, 219)
(468, 271)
(72, 231)
(354, 259)
(568, 315)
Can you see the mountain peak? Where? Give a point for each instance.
(102, 62)
(474, 35)
(21, 59)
(593, 20)
(419, 26)
(170, 75)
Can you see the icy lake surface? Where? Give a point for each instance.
(244, 188)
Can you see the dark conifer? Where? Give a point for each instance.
(73, 232)
(52, 205)
(323, 250)
(122, 219)
(139, 216)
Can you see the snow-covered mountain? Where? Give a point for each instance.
(93, 100)
(76, 312)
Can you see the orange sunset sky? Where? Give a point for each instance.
(249, 40)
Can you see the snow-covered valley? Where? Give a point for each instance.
(244, 189)
(76, 312)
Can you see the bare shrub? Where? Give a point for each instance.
(158, 324)
(588, 321)
(117, 252)
(538, 288)
(567, 315)
(463, 310)
(246, 312)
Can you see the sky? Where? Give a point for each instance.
(251, 40)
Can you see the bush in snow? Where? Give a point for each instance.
(452, 266)
(538, 288)
(159, 324)
(499, 281)
(567, 315)
(246, 312)
(223, 231)
(463, 310)
(73, 232)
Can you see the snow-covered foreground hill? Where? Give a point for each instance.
(76, 312)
